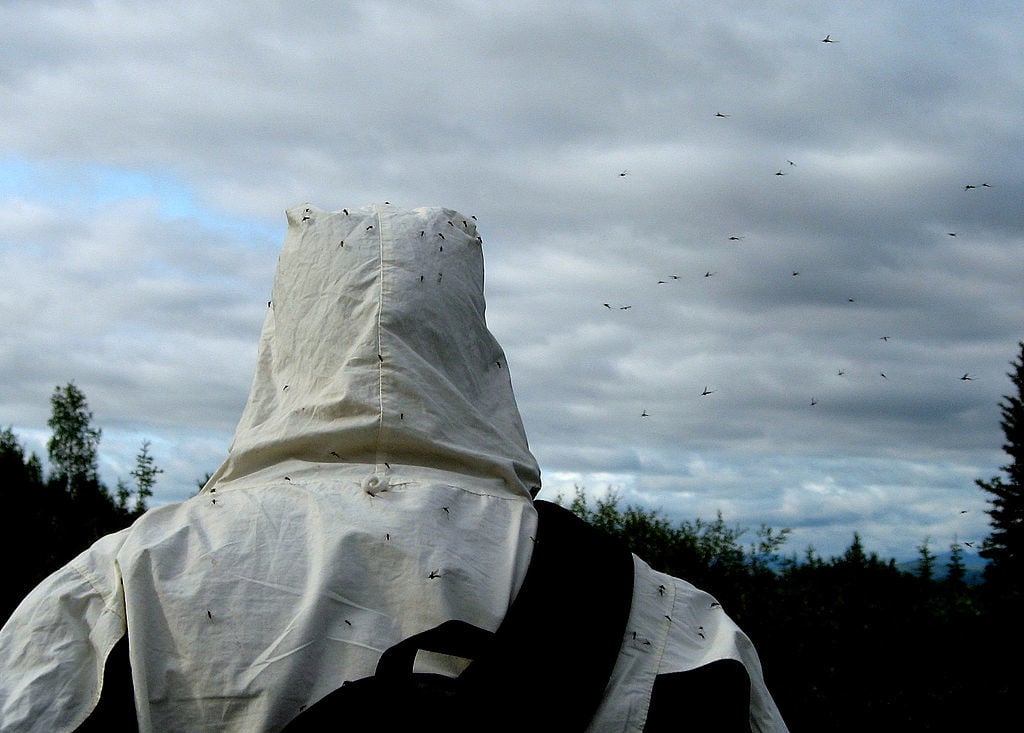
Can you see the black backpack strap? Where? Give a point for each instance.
(544, 669)
(453, 638)
(561, 637)
(396, 699)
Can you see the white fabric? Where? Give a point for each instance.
(675, 627)
(379, 483)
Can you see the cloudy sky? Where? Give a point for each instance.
(674, 198)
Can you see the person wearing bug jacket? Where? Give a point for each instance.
(375, 511)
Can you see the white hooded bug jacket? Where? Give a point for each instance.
(379, 484)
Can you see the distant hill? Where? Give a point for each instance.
(974, 566)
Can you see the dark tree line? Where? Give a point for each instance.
(848, 643)
(52, 516)
(853, 643)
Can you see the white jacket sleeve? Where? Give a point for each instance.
(55, 644)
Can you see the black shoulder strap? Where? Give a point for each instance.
(556, 648)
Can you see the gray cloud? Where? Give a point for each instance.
(148, 150)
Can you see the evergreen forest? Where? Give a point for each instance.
(851, 642)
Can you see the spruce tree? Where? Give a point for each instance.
(1004, 548)
(956, 572)
(925, 561)
(144, 473)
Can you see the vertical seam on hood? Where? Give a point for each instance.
(380, 337)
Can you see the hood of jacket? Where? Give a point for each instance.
(375, 350)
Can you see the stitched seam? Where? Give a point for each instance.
(380, 339)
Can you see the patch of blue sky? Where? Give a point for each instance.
(90, 186)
